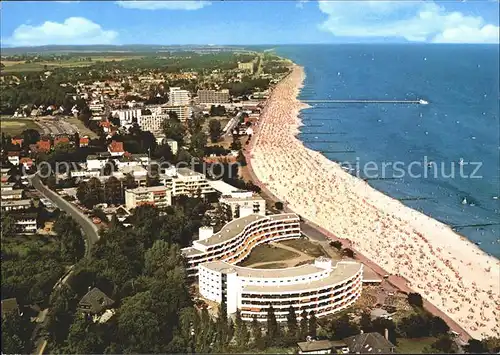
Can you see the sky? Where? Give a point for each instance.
(247, 22)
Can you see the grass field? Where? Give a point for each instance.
(305, 246)
(84, 131)
(15, 126)
(21, 66)
(264, 253)
(414, 346)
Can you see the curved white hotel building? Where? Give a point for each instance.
(234, 242)
(323, 287)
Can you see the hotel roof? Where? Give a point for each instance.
(236, 226)
(340, 272)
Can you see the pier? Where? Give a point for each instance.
(336, 151)
(359, 101)
(479, 225)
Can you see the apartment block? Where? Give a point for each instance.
(158, 196)
(213, 97)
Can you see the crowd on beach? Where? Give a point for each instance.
(447, 269)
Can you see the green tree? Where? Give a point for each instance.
(415, 299)
(215, 130)
(342, 327)
(292, 326)
(15, 333)
(303, 326)
(313, 324)
(197, 144)
(242, 336)
(174, 129)
(258, 341)
(113, 191)
(139, 327)
(272, 326)
(365, 323)
(129, 181)
(8, 225)
(444, 344)
(475, 346)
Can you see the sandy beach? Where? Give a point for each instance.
(448, 270)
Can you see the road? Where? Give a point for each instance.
(90, 230)
(91, 233)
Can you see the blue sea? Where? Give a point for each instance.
(458, 129)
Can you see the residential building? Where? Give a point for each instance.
(178, 97)
(115, 148)
(190, 183)
(213, 97)
(43, 145)
(61, 139)
(13, 157)
(152, 123)
(246, 66)
(7, 186)
(244, 203)
(127, 117)
(174, 146)
(84, 141)
(15, 205)
(17, 141)
(26, 162)
(158, 196)
(95, 302)
(234, 242)
(25, 222)
(321, 347)
(16, 194)
(97, 162)
(370, 343)
(183, 112)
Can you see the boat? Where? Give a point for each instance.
(464, 201)
(423, 102)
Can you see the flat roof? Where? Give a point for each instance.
(187, 172)
(223, 187)
(236, 226)
(190, 251)
(11, 192)
(341, 271)
(254, 197)
(16, 202)
(139, 190)
(230, 230)
(224, 267)
(370, 276)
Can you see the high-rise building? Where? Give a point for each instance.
(183, 112)
(213, 97)
(178, 97)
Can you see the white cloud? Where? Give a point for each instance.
(163, 5)
(74, 30)
(413, 21)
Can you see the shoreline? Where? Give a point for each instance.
(452, 274)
